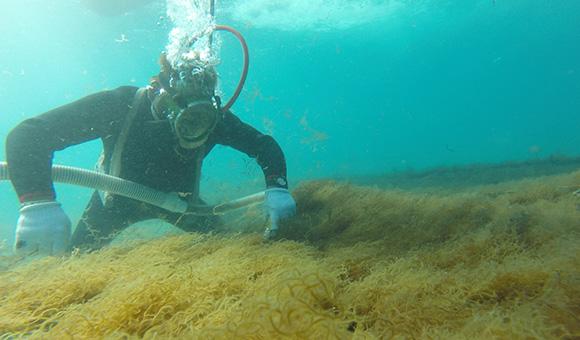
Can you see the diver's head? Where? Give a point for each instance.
(186, 97)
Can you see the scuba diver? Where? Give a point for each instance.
(157, 136)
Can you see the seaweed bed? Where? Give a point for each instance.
(498, 261)
(464, 176)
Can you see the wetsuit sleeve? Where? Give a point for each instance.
(31, 144)
(242, 137)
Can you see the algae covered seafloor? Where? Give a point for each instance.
(495, 261)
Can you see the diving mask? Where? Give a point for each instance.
(192, 122)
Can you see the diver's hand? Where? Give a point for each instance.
(280, 205)
(43, 229)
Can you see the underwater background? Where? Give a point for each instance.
(433, 148)
(346, 89)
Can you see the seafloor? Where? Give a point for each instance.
(471, 260)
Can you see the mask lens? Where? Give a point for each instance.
(194, 124)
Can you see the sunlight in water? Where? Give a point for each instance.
(294, 15)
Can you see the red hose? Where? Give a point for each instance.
(238, 35)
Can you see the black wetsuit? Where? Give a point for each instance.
(151, 157)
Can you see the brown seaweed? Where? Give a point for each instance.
(499, 261)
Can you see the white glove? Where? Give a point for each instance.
(43, 229)
(280, 205)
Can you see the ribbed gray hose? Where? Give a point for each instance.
(118, 186)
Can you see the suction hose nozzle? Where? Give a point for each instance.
(136, 191)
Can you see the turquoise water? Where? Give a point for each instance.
(346, 90)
